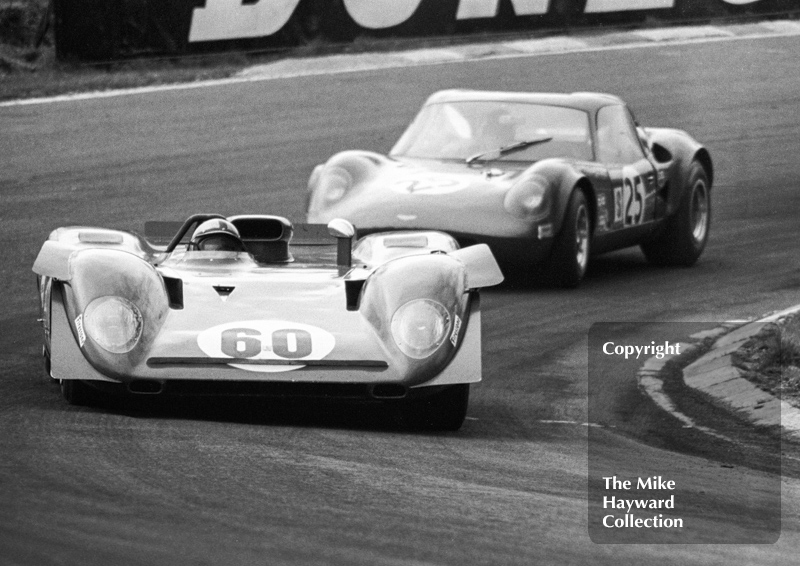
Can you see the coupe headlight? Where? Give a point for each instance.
(334, 184)
(114, 323)
(529, 199)
(419, 327)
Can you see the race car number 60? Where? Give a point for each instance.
(266, 340)
(290, 343)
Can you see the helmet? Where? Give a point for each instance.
(500, 125)
(216, 234)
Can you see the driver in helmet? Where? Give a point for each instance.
(216, 234)
(498, 129)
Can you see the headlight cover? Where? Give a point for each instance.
(334, 184)
(529, 199)
(114, 323)
(419, 327)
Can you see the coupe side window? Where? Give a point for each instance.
(617, 141)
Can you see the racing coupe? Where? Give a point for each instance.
(255, 305)
(546, 180)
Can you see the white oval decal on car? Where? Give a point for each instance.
(276, 340)
(433, 185)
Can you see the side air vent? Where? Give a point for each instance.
(174, 292)
(352, 289)
(99, 237)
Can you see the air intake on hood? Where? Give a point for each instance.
(223, 291)
(174, 288)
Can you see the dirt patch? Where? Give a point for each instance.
(771, 360)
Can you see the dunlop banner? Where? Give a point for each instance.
(112, 29)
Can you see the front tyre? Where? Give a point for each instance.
(76, 392)
(445, 410)
(684, 237)
(570, 256)
(47, 363)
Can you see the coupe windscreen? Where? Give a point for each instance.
(460, 130)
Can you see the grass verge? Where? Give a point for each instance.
(29, 69)
(771, 360)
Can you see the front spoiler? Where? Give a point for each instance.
(69, 362)
(164, 362)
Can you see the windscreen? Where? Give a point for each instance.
(459, 130)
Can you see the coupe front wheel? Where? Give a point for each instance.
(570, 256)
(685, 235)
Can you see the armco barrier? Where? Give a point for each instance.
(103, 30)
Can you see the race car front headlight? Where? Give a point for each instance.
(114, 323)
(334, 184)
(419, 327)
(529, 199)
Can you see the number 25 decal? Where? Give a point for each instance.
(266, 340)
(629, 199)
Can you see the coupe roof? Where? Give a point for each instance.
(586, 101)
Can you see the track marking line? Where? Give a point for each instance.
(715, 376)
(653, 386)
(575, 423)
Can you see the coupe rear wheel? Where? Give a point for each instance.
(570, 256)
(445, 410)
(685, 235)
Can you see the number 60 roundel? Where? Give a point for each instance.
(266, 340)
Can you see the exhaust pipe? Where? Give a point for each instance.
(146, 387)
(388, 391)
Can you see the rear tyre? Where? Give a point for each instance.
(445, 410)
(570, 256)
(684, 237)
(76, 392)
(47, 363)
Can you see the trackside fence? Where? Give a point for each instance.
(105, 30)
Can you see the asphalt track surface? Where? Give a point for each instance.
(247, 483)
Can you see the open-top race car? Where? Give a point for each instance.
(546, 179)
(254, 305)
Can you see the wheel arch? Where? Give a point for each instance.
(568, 261)
(585, 185)
(571, 183)
(357, 165)
(704, 158)
(564, 180)
(684, 151)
